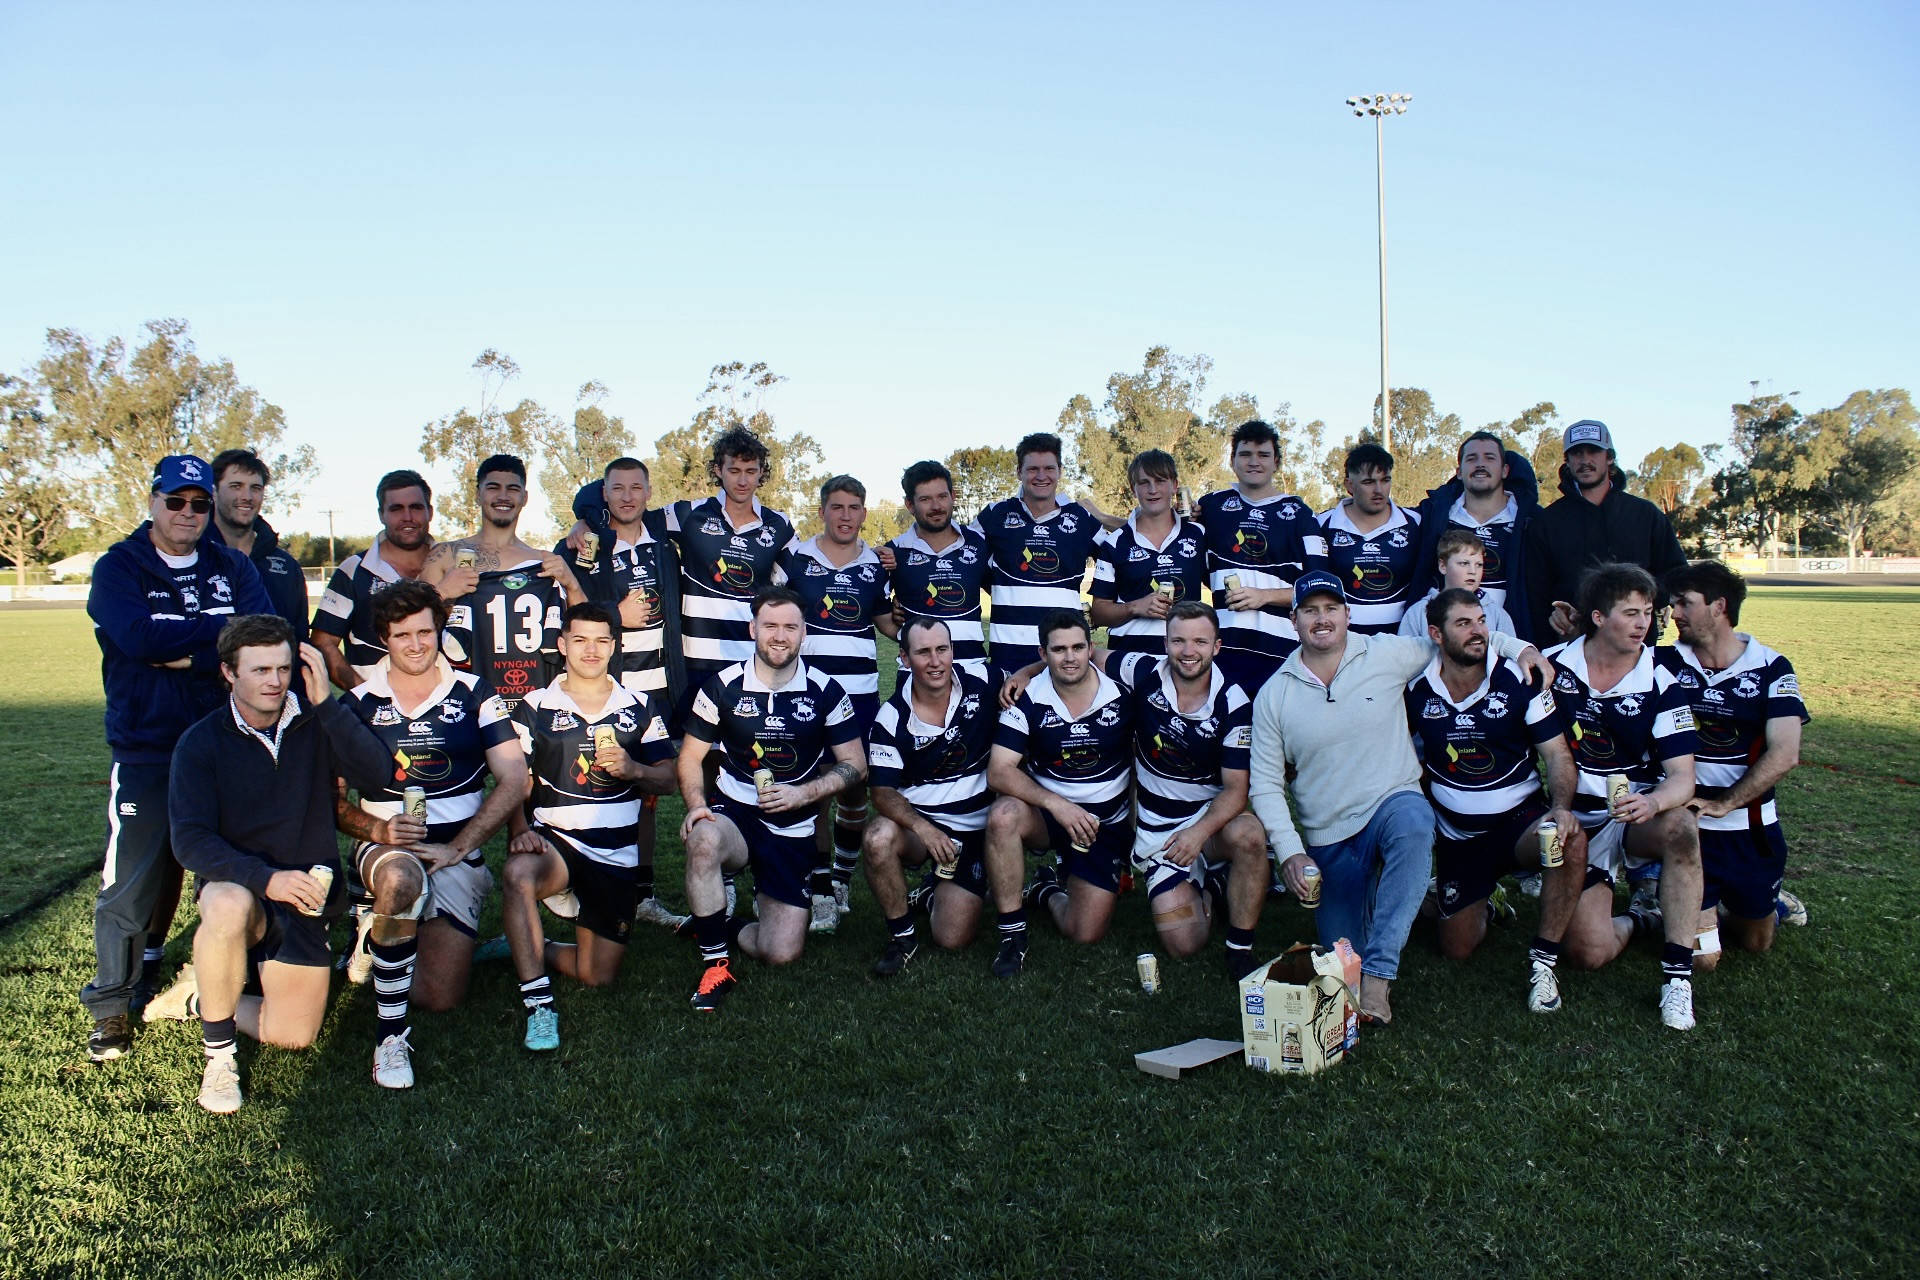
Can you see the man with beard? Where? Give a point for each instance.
(775, 721)
(1493, 494)
(505, 598)
(240, 481)
(938, 569)
(1477, 727)
(1373, 543)
(343, 624)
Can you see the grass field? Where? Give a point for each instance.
(827, 1123)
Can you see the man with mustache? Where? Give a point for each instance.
(1493, 494)
(939, 569)
(343, 624)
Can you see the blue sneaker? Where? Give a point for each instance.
(492, 949)
(543, 1029)
(1789, 908)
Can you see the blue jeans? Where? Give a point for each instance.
(1372, 882)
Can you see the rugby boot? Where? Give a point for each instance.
(715, 982)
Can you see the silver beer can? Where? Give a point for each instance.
(1149, 966)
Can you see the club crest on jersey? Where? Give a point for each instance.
(866, 573)
(222, 592)
(1342, 539)
(712, 528)
(1434, 710)
(968, 555)
(1013, 520)
(1397, 538)
(189, 596)
(803, 710)
(1746, 687)
(1158, 701)
(1687, 680)
(564, 720)
(816, 570)
(970, 705)
(624, 721)
(1068, 522)
(1496, 704)
(1629, 704)
(1188, 548)
(515, 581)
(1136, 554)
(1565, 682)
(387, 715)
(1286, 512)
(1208, 727)
(1051, 718)
(452, 713)
(746, 707)
(915, 557)
(765, 537)
(1109, 715)
(1231, 504)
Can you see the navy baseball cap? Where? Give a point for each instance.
(1588, 431)
(179, 471)
(1317, 582)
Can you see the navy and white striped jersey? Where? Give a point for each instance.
(1630, 729)
(1038, 565)
(618, 571)
(946, 584)
(1178, 756)
(941, 769)
(1128, 566)
(1476, 755)
(721, 569)
(1501, 540)
(1730, 713)
(346, 610)
(573, 800)
(840, 605)
(791, 731)
(1089, 761)
(507, 630)
(1265, 544)
(1377, 568)
(440, 747)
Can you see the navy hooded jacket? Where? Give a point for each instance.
(143, 619)
(1524, 486)
(280, 574)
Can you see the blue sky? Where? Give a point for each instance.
(942, 224)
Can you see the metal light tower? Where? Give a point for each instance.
(1380, 106)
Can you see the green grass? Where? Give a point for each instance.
(945, 1123)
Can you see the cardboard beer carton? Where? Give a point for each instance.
(1297, 1013)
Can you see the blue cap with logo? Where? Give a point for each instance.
(1317, 582)
(1589, 431)
(179, 471)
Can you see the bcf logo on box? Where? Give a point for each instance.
(1256, 1003)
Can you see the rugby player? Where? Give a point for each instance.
(1373, 543)
(251, 800)
(1263, 539)
(928, 748)
(444, 732)
(1747, 715)
(1331, 733)
(939, 569)
(637, 572)
(240, 481)
(1626, 713)
(771, 713)
(158, 601)
(343, 624)
(504, 619)
(573, 844)
(1492, 495)
(1061, 765)
(1156, 558)
(843, 592)
(1462, 557)
(1478, 727)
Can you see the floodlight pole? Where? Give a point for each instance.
(1380, 106)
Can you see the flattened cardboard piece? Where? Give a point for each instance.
(1170, 1062)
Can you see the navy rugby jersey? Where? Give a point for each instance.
(1629, 729)
(1476, 755)
(1730, 713)
(1178, 755)
(840, 605)
(946, 585)
(941, 769)
(507, 630)
(346, 610)
(1266, 544)
(1377, 569)
(791, 731)
(1127, 566)
(1498, 534)
(1088, 761)
(620, 569)
(441, 747)
(573, 800)
(1038, 565)
(721, 569)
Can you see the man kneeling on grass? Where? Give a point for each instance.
(594, 748)
(251, 803)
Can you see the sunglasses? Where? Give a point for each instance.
(200, 506)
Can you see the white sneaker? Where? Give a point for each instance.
(1789, 908)
(1676, 1004)
(826, 914)
(360, 959)
(1543, 989)
(175, 1004)
(563, 904)
(393, 1062)
(842, 899)
(733, 900)
(1530, 884)
(651, 911)
(220, 1085)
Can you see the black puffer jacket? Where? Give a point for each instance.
(1566, 539)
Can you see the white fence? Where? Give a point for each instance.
(1832, 564)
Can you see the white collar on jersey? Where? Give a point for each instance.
(1460, 514)
(719, 501)
(1058, 507)
(1042, 692)
(646, 536)
(554, 696)
(914, 722)
(750, 681)
(912, 541)
(1438, 684)
(1753, 657)
(1336, 517)
(1143, 540)
(289, 708)
(811, 548)
(1573, 656)
(1275, 496)
(1216, 681)
(379, 682)
(376, 564)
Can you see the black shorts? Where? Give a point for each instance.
(970, 868)
(1742, 870)
(1468, 869)
(1099, 866)
(608, 895)
(292, 936)
(782, 865)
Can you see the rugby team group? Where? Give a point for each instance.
(1381, 710)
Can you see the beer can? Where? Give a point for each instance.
(1618, 789)
(1185, 499)
(603, 737)
(415, 799)
(946, 872)
(1310, 897)
(1233, 581)
(1149, 966)
(1166, 589)
(466, 558)
(1550, 844)
(589, 547)
(324, 874)
(763, 779)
